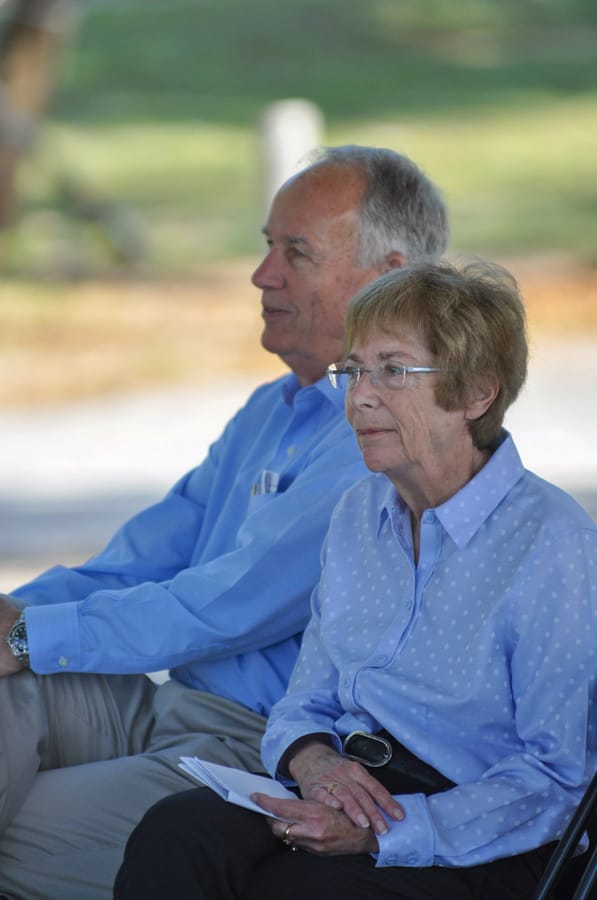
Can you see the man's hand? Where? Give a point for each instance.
(9, 613)
(341, 784)
(316, 828)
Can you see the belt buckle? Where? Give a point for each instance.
(371, 750)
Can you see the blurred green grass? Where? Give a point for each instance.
(158, 103)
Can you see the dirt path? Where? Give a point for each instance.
(108, 375)
(65, 343)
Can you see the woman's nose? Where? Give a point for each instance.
(364, 392)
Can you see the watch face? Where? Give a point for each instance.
(17, 641)
(19, 637)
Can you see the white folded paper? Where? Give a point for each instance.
(234, 785)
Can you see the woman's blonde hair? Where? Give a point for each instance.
(472, 321)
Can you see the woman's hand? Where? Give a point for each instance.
(341, 784)
(317, 828)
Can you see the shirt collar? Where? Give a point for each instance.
(391, 501)
(291, 388)
(465, 513)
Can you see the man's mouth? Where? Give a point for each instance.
(270, 313)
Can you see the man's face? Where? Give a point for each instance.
(309, 272)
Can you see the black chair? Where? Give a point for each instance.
(567, 878)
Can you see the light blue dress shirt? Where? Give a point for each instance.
(482, 659)
(214, 581)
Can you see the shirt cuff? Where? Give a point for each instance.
(410, 842)
(53, 636)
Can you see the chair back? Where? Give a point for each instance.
(584, 867)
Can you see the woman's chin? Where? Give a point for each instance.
(374, 462)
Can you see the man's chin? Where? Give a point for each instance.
(272, 342)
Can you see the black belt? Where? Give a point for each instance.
(399, 770)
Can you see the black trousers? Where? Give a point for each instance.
(194, 845)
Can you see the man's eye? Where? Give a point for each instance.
(295, 253)
(352, 371)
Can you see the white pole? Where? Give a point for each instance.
(290, 129)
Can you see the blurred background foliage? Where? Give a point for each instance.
(155, 113)
(139, 208)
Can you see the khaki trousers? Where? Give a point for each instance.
(82, 757)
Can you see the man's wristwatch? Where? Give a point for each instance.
(17, 640)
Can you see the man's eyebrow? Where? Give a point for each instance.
(288, 239)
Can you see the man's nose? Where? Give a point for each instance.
(268, 273)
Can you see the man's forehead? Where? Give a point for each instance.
(311, 225)
(317, 194)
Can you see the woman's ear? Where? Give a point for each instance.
(481, 398)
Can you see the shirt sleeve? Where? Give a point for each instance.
(151, 610)
(151, 546)
(312, 703)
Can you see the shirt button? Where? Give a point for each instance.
(392, 860)
(63, 661)
(411, 860)
(291, 450)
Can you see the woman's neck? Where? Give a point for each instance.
(428, 492)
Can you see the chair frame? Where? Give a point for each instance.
(565, 847)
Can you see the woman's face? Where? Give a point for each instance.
(400, 429)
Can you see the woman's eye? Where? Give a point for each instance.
(393, 371)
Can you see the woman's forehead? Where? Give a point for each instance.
(400, 340)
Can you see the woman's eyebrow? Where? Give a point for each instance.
(354, 357)
(382, 356)
(391, 354)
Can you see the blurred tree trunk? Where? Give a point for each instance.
(31, 37)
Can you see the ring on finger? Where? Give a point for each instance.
(331, 787)
(286, 836)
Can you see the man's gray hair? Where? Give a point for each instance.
(402, 210)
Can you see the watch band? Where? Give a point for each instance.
(17, 640)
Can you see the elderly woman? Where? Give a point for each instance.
(440, 722)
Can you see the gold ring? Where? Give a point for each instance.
(331, 788)
(286, 836)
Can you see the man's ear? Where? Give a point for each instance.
(394, 260)
(481, 399)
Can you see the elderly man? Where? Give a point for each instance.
(212, 583)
